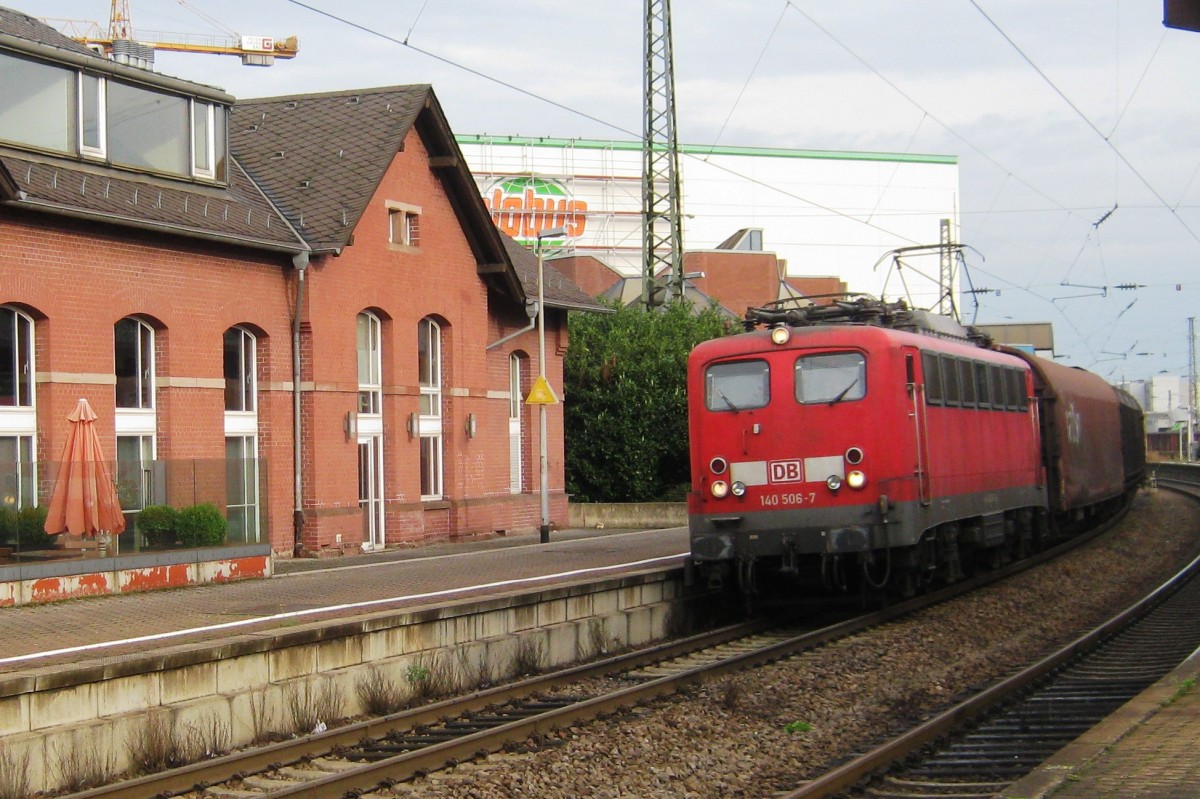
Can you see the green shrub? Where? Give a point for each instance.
(8, 525)
(201, 526)
(625, 407)
(157, 524)
(31, 528)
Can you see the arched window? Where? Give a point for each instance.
(240, 357)
(134, 350)
(370, 387)
(429, 361)
(18, 418)
(240, 380)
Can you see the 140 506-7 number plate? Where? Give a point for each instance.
(787, 498)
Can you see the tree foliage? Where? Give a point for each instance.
(625, 387)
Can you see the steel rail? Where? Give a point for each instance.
(853, 772)
(229, 767)
(400, 767)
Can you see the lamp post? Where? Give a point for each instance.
(544, 466)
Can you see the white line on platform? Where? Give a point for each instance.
(327, 609)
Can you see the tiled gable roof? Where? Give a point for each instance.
(23, 26)
(320, 157)
(239, 214)
(557, 289)
(302, 170)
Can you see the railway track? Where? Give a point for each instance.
(355, 759)
(980, 746)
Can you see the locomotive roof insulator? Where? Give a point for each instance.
(856, 308)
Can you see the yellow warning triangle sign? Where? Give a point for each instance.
(541, 393)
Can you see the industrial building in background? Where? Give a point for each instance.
(821, 214)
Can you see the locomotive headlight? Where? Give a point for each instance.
(718, 465)
(780, 335)
(720, 489)
(834, 482)
(856, 479)
(738, 488)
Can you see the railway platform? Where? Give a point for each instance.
(1145, 750)
(76, 677)
(76, 633)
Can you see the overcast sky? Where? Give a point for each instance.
(1058, 111)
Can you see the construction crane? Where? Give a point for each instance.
(120, 43)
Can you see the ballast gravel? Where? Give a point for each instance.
(771, 728)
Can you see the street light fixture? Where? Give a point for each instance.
(543, 482)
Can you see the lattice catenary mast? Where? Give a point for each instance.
(662, 234)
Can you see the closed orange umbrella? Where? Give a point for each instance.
(84, 501)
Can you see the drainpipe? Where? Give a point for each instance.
(300, 263)
(530, 311)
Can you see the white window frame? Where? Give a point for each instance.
(145, 379)
(247, 375)
(25, 485)
(142, 468)
(516, 443)
(371, 490)
(404, 225)
(209, 121)
(21, 420)
(101, 149)
(429, 419)
(369, 360)
(249, 474)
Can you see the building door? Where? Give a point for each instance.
(516, 466)
(370, 490)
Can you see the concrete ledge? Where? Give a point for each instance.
(243, 684)
(644, 515)
(31, 583)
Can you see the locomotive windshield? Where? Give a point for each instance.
(737, 386)
(831, 377)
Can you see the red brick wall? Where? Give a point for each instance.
(401, 287)
(77, 279)
(589, 273)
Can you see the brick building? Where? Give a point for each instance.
(736, 275)
(296, 308)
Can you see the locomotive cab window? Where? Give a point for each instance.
(831, 377)
(737, 386)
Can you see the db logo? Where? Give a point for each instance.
(785, 471)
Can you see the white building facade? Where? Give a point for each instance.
(825, 213)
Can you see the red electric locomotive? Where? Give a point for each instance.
(862, 444)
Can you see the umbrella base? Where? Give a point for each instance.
(77, 545)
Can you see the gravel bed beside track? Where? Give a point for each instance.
(771, 728)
